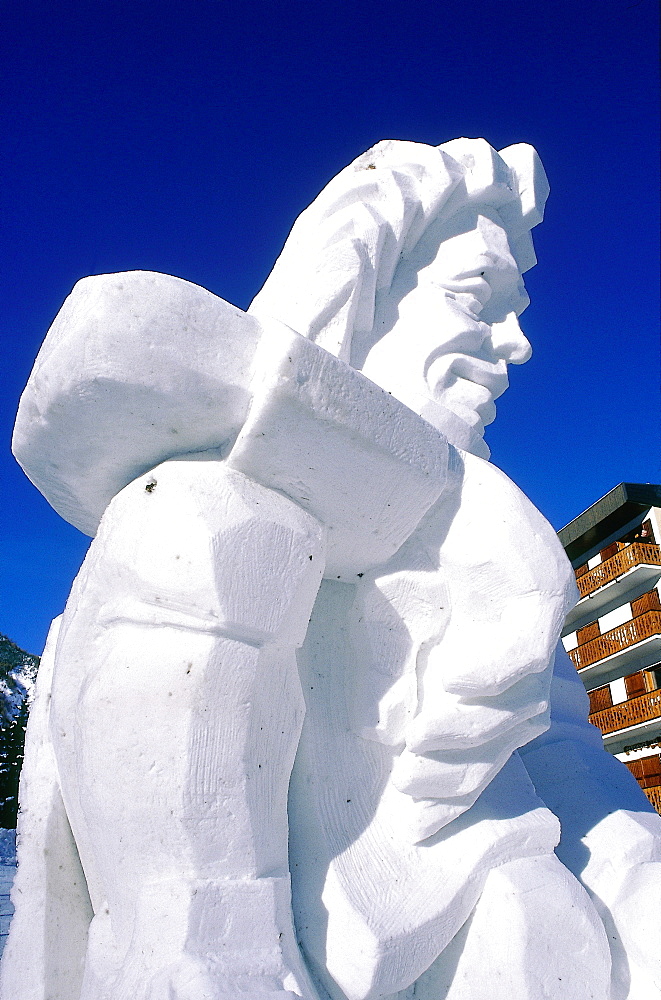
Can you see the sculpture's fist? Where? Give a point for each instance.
(454, 639)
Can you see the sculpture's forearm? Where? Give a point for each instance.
(176, 714)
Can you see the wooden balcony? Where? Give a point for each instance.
(644, 708)
(643, 627)
(636, 554)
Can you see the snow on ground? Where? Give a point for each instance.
(7, 872)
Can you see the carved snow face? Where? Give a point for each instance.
(448, 327)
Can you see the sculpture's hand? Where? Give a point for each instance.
(475, 602)
(460, 739)
(461, 749)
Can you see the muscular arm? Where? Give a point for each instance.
(176, 713)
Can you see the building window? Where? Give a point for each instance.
(635, 684)
(646, 770)
(643, 533)
(589, 631)
(647, 602)
(653, 677)
(600, 699)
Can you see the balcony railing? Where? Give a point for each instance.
(654, 795)
(628, 634)
(631, 555)
(628, 713)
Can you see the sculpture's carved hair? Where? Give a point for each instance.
(345, 247)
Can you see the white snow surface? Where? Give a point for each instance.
(302, 729)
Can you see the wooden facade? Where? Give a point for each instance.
(618, 563)
(621, 533)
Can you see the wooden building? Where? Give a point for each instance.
(613, 635)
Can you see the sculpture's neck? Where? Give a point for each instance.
(457, 431)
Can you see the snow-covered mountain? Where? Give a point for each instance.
(18, 672)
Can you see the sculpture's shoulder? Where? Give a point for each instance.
(136, 367)
(484, 518)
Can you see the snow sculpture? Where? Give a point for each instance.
(302, 730)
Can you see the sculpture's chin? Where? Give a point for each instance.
(458, 432)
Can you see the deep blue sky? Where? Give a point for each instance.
(185, 136)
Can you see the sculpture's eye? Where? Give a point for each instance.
(476, 286)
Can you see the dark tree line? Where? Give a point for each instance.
(17, 670)
(12, 741)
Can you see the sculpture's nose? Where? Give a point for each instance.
(509, 341)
